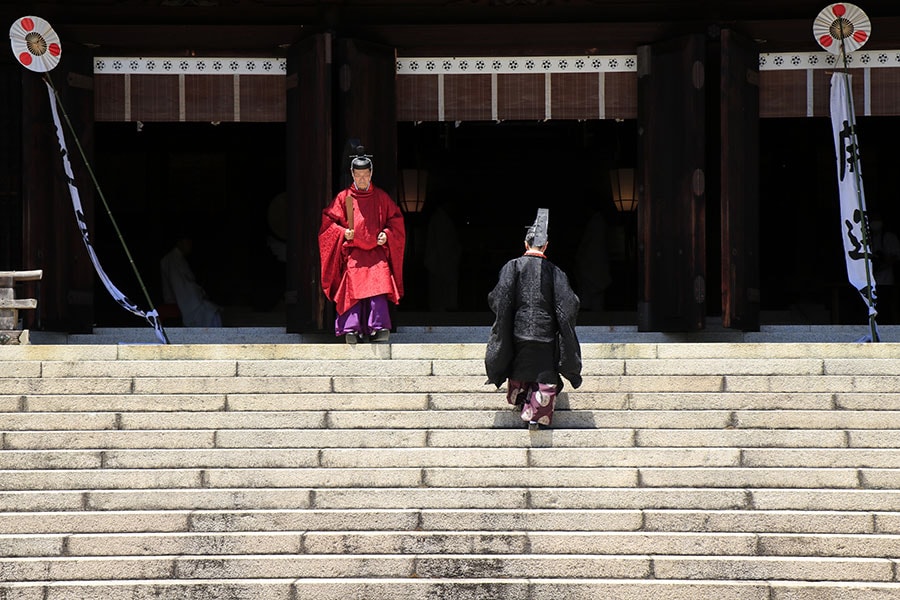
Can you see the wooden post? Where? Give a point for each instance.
(740, 181)
(671, 185)
(10, 305)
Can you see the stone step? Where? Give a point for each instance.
(14, 461)
(291, 588)
(831, 353)
(594, 346)
(718, 351)
(488, 401)
(637, 498)
(514, 436)
(399, 367)
(783, 384)
(502, 418)
(449, 477)
(500, 543)
(269, 566)
(651, 520)
(316, 469)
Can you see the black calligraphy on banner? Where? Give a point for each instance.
(857, 252)
(854, 228)
(850, 150)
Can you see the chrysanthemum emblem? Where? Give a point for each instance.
(34, 44)
(842, 26)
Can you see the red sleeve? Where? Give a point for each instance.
(331, 245)
(396, 244)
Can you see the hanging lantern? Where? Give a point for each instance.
(413, 184)
(622, 182)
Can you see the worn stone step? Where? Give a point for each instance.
(216, 402)
(470, 542)
(734, 470)
(763, 477)
(723, 467)
(487, 401)
(870, 443)
(457, 419)
(417, 419)
(590, 589)
(495, 498)
(446, 477)
(817, 419)
(786, 349)
(450, 566)
(158, 458)
(533, 458)
(208, 438)
(822, 457)
(243, 368)
(429, 589)
(772, 521)
(455, 542)
(741, 438)
(280, 519)
(453, 519)
(346, 565)
(407, 542)
(189, 384)
(133, 479)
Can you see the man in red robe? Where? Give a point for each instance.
(361, 244)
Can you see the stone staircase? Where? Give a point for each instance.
(678, 471)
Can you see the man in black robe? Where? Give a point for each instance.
(533, 340)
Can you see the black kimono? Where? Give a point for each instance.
(533, 338)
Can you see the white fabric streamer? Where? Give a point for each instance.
(852, 194)
(151, 316)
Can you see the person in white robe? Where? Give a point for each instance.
(179, 286)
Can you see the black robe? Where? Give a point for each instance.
(533, 337)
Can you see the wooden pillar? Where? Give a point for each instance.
(309, 176)
(367, 109)
(10, 163)
(740, 181)
(671, 185)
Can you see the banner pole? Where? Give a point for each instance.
(873, 327)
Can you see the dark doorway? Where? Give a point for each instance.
(491, 178)
(221, 182)
(218, 182)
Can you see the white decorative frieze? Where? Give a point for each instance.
(508, 65)
(796, 61)
(620, 63)
(769, 61)
(168, 65)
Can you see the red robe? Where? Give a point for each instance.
(361, 268)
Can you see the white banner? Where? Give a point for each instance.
(151, 316)
(852, 194)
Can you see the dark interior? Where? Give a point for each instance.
(218, 182)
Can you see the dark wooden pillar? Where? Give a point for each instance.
(740, 181)
(309, 176)
(671, 185)
(51, 238)
(10, 163)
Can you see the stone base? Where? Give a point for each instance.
(13, 337)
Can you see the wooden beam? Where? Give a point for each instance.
(22, 275)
